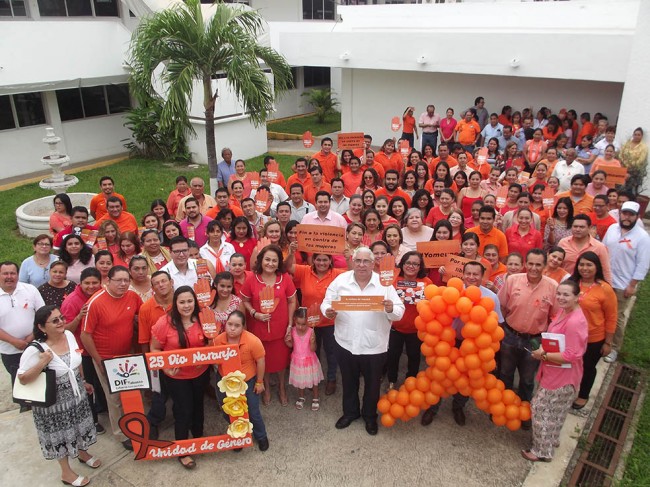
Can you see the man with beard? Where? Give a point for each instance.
(627, 244)
(390, 189)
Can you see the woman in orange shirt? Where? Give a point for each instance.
(535, 149)
(599, 305)
(554, 260)
(388, 158)
(241, 175)
(409, 127)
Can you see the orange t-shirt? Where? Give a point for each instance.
(494, 236)
(394, 161)
(311, 190)
(557, 275)
(250, 351)
(327, 163)
(434, 216)
(150, 313)
(601, 224)
(167, 336)
(587, 129)
(377, 167)
(398, 192)
(409, 124)
(351, 182)
(126, 222)
(98, 204)
(584, 205)
(451, 162)
(294, 178)
(467, 131)
(313, 288)
(214, 211)
(599, 305)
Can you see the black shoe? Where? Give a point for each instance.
(153, 432)
(371, 427)
(344, 422)
(127, 445)
(427, 417)
(25, 408)
(100, 429)
(459, 417)
(238, 450)
(526, 425)
(263, 444)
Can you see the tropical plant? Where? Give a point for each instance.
(323, 102)
(194, 48)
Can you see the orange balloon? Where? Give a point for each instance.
(483, 405)
(392, 395)
(484, 340)
(452, 311)
(524, 411)
(426, 350)
(486, 355)
(475, 373)
(413, 410)
(405, 417)
(496, 346)
(454, 354)
(437, 389)
(451, 390)
(489, 325)
(464, 317)
(430, 398)
(425, 311)
(443, 363)
(473, 293)
(434, 327)
(461, 383)
(430, 360)
(490, 365)
(417, 398)
(419, 323)
(451, 294)
(409, 385)
(499, 420)
(478, 314)
(444, 319)
(471, 330)
(383, 406)
(472, 361)
(497, 409)
(430, 291)
(468, 347)
(438, 305)
(448, 335)
(397, 410)
(490, 381)
(387, 420)
(512, 411)
(421, 335)
(455, 283)
(431, 340)
(423, 383)
(487, 303)
(494, 396)
(403, 398)
(500, 385)
(438, 375)
(509, 397)
(460, 364)
(478, 383)
(498, 334)
(442, 349)
(513, 424)
(453, 373)
(478, 394)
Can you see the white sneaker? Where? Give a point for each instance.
(611, 358)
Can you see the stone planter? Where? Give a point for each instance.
(34, 216)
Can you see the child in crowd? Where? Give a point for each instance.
(305, 370)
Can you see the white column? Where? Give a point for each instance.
(635, 104)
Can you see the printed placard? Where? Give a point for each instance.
(89, 236)
(615, 175)
(101, 243)
(272, 171)
(482, 156)
(502, 196)
(127, 373)
(454, 268)
(404, 149)
(436, 253)
(321, 239)
(548, 198)
(359, 303)
(188, 357)
(307, 139)
(387, 270)
(395, 124)
(410, 292)
(350, 140)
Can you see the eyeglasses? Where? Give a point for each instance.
(57, 320)
(179, 252)
(412, 264)
(121, 281)
(364, 262)
(43, 244)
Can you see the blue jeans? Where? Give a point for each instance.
(430, 139)
(325, 337)
(254, 413)
(515, 357)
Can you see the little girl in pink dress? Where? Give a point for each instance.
(305, 370)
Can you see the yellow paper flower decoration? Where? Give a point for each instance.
(233, 384)
(235, 406)
(240, 428)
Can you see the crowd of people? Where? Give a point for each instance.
(524, 194)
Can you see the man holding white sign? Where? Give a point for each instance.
(361, 337)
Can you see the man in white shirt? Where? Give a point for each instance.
(323, 215)
(361, 337)
(18, 304)
(299, 207)
(339, 202)
(429, 123)
(181, 269)
(628, 245)
(565, 170)
(493, 129)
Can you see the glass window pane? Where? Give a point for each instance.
(78, 8)
(329, 10)
(307, 6)
(5, 8)
(19, 8)
(52, 8)
(94, 101)
(69, 102)
(29, 109)
(106, 8)
(6, 114)
(118, 98)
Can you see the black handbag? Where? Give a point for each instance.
(40, 392)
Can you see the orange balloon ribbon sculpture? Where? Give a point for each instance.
(465, 370)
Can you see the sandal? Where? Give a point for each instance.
(300, 403)
(266, 398)
(189, 465)
(78, 482)
(315, 404)
(283, 400)
(579, 403)
(92, 462)
(528, 455)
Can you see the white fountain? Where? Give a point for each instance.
(34, 216)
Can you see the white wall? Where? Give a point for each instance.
(240, 136)
(92, 138)
(279, 10)
(371, 97)
(21, 151)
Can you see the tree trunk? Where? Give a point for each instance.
(208, 103)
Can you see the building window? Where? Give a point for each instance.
(318, 9)
(12, 8)
(93, 101)
(316, 76)
(78, 8)
(22, 110)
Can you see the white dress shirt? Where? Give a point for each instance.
(341, 206)
(628, 254)
(189, 278)
(564, 172)
(17, 314)
(362, 332)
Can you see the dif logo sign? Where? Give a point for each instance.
(127, 373)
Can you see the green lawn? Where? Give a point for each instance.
(139, 180)
(301, 124)
(636, 351)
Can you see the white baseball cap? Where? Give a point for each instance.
(631, 206)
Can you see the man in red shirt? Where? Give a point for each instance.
(108, 332)
(98, 203)
(79, 223)
(327, 159)
(301, 176)
(181, 191)
(317, 184)
(352, 179)
(443, 156)
(600, 217)
(126, 222)
(587, 128)
(391, 189)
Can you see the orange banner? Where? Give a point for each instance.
(359, 303)
(322, 239)
(615, 175)
(437, 253)
(350, 140)
(188, 357)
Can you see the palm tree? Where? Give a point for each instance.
(193, 48)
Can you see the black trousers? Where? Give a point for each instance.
(589, 361)
(158, 410)
(396, 343)
(353, 367)
(187, 395)
(12, 363)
